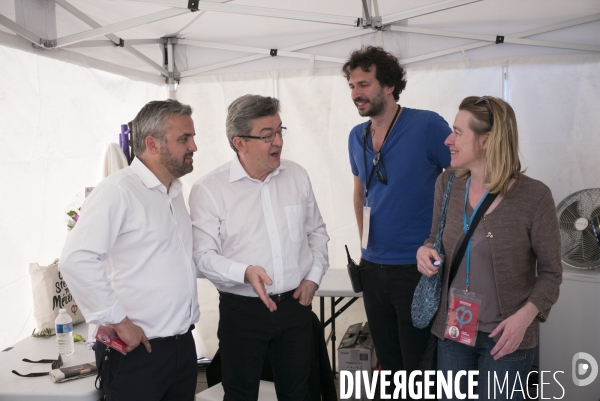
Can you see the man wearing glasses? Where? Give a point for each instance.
(259, 237)
(395, 157)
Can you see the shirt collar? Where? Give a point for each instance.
(237, 172)
(151, 181)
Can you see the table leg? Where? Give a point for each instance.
(333, 336)
(322, 302)
(331, 321)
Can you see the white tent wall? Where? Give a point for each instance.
(57, 121)
(554, 101)
(557, 108)
(59, 114)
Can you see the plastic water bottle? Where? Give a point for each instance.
(64, 333)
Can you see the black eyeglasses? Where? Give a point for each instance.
(56, 363)
(488, 106)
(378, 163)
(269, 137)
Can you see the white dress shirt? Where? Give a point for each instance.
(130, 254)
(239, 221)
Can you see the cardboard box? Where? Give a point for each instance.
(356, 352)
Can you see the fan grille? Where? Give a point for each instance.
(579, 248)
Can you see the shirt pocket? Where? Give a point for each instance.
(295, 218)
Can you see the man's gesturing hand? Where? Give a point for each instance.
(131, 334)
(257, 277)
(305, 292)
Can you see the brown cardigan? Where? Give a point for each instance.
(522, 229)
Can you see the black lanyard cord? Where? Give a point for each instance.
(383, 143)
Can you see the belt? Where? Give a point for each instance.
(282, 297)
(275, 297)
(367, 263)
(176, 336)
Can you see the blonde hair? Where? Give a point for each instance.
(502, 151)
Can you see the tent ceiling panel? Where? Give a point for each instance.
(67, 24)
(229, 23)
(505, 14)
(259, 32)
(120, 56)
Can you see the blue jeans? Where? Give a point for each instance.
(502, 374)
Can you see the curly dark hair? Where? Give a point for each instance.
(388, 70)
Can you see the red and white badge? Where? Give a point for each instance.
(463, 316)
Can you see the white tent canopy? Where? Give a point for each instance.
(62, 100)
(241, 36)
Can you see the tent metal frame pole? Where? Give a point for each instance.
(112, 37)
(556, 45)
(424, 10)
(110, 43)
(19, 30)
(536, 31)
(137, 42)
(492, 38)
(366, 12)
(171, 81)
(258, 11)
(91, 43)
(378, 19)
(258, 50)
(301, 46)
(120, 26)
(170, 64)
(222, 46)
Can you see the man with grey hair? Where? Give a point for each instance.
(259, 237)
(128, 262)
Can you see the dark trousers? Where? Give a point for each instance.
(248, 331)
(388, 292)
(168, 373)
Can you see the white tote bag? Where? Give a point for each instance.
(50, 294)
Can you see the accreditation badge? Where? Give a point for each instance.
(463, 316)
(366, 225)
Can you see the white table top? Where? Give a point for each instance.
(336, 283)
(13, 387)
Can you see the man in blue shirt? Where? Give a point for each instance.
(395, 157)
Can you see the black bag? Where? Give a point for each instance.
(354, 273)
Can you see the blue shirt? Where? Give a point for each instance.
(413, 156)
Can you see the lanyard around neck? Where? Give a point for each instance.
(466, 229)
(383, 143)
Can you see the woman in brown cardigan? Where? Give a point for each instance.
(516, 238)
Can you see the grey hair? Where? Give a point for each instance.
(150, 121)
(243, 110)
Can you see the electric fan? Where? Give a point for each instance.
(579, 224)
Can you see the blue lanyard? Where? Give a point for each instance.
(466, 228)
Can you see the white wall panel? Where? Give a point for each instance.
(57, 121)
